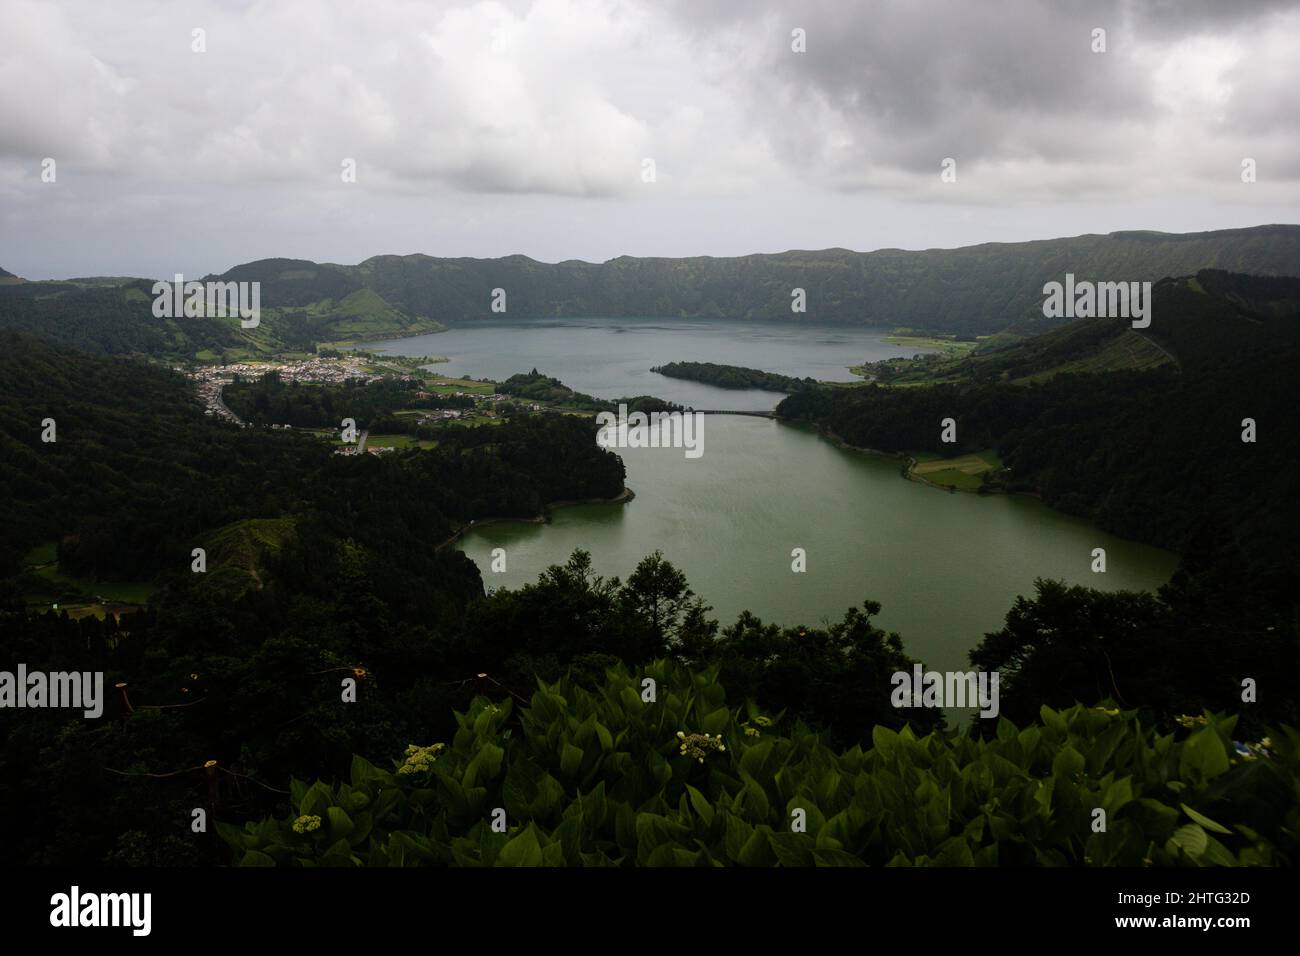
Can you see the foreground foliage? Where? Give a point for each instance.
(604, 777)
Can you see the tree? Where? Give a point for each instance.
(656, 593)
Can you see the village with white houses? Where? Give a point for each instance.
(211, 380)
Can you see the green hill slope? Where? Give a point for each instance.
(980, 289)
(115, 316)
(111, 319)
(976, 289)
(236, 553)
(1153, 453)
(1196, 320)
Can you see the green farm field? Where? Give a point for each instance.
(963, 472)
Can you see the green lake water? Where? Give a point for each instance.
(946, 567)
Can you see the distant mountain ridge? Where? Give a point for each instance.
(974, 289)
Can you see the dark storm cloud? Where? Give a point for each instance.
(903, 84)
(488, 128)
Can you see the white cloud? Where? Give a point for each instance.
(468, 117)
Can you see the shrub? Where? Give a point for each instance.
(602, 778)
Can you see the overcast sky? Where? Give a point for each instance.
(493, 128)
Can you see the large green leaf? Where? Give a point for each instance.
(364, 772)
(593, 807)
(340, 823)
(570, 759)
(755, 757)
(737, 834)
(316, 801)
(756, 851)
(1204, 820)
(338, 854)
(716, 722)
(701, 804)
(884, 740)
(792, 849)
(521, 850)
(755, 798)
(1053, 721)
(484, 766)
(1068, 762)
(1204, 755)
(1191, 839)
(1117, 795)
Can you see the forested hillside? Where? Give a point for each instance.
(318, 567)
(111, 320)
(324, 567)
(115, 317)
(137, 472)
(1152, 454)
(975, 289)
(971, 290)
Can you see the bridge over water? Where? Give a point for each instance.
(729, 411)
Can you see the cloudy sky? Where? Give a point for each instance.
(531, 126)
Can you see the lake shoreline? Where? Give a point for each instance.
(623, 497)
(910, 463)
(359, 345)
(729, 521)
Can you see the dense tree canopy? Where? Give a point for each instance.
(325, 568)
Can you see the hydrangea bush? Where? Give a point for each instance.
(602, 778)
